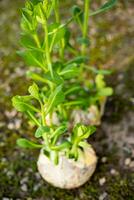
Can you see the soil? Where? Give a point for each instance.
(111, 46)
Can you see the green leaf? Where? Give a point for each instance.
(32, 57)
(64, 145)
(55, 98)
(54, 35)
(101, 71)
(73, 89)
(27, 41)
(41, 130)
(84, 41)
(56, 79)
(105, 92)
(34, 91)
(88, 132)
(24, 143)
(35, 76)
(58, 132)
(99, 80)
(21, 105)
(106, 6)
(70, 71)
(77, 14)
(77, 60)
(35, 2)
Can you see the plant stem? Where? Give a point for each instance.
(48, 58)
(33, 118)
(57, 17)
(42, 114)
(36, 40)
(84, 33)
(85, 24)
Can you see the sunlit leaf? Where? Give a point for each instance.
(24, 143)
(21, 105)
(32, 57)
(34, 91)
(106, 6)
(55, 98)
(41, 130)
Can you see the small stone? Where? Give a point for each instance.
(3, 160)
(102, 181)
(36, 187)
(37, 175)
(127, 161)
(132, 164)
(17, 123)
(5, 198)
(113, 172)
(24, 180)
(10, 173)
(103, 196)
(24, 188)
(11, 126)
(104, 159)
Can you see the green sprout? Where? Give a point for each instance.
(58, 70)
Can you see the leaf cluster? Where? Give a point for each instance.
(59, 85)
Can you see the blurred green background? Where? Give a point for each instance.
(111, 36)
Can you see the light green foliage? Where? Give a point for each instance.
(59, 85)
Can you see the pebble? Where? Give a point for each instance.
(104, 159)
(132, 164)
(36, 187)
(102, 181)
(10, 114)
(11, 126)
(10, 173)
(5, 198)
(113, 172)
(37, 176)
(127, 161)
(24, 188)
(103, 196)
(24, 180)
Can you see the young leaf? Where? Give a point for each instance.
(27, 41)
(55, 98)
(77, 60)
(101, 71)
(41, 130)
(105, 92)
(89, 131)
(24, 143)
(77, 14)
(56, 79)
(55, 36)
(23, 106)
(34, 91)
(58, 132)
(106, 6)
(70, 71)
(99, 80)
(64, 145)
(84, 41)
(32, 57)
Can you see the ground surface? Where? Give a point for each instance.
(111, 46)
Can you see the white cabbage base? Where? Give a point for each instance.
(68, 173)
